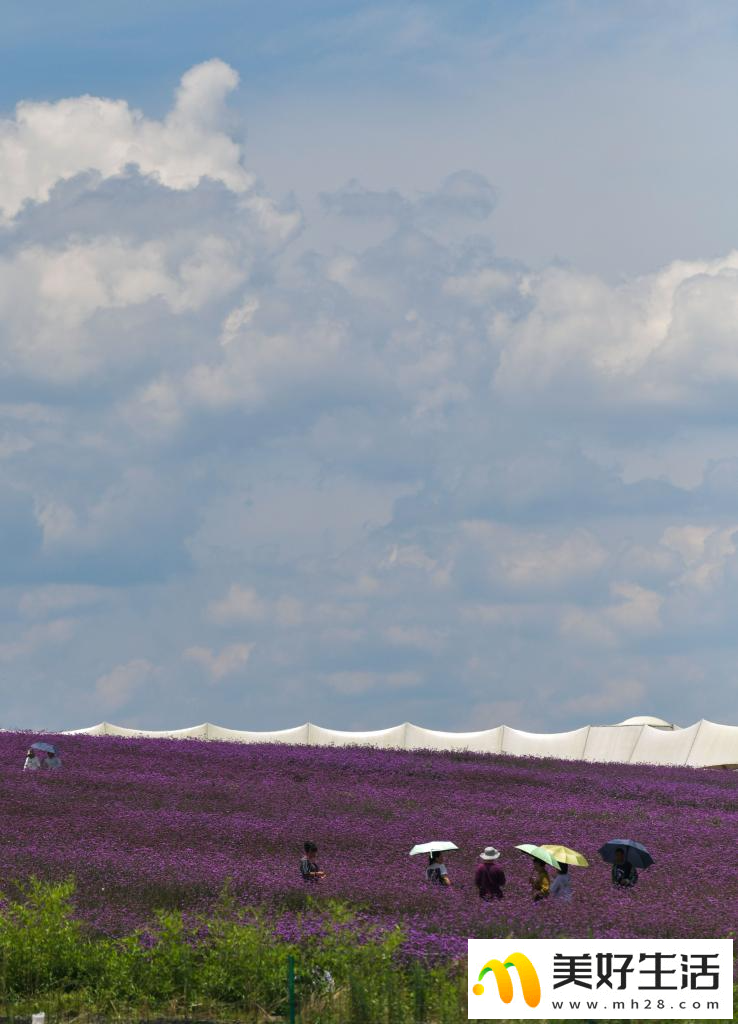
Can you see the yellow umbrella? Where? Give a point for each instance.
(566, 856)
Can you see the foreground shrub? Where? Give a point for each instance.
(233, 961)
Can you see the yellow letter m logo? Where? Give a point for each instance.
(528, 979)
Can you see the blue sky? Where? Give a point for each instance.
(364, 363)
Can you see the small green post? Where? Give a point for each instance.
(291, 986)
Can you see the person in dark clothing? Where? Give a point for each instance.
(489, 877)
(309, 868)
(624, 873)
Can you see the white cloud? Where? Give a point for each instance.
(408, 556)
(480, 286)
(224, 429)
(658, 340)
(241, 604)
(237, 319)
(704, 551)
(120, 686)
(528, 559)
(37, 639)
(225, 663)
(48, 296)
(48, 142)
(637, 612)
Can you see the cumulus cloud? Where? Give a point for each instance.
(241, 604)
(224, 663)
(635, 610)
(658, 342)
(119, 687)
(398, 463)
(48, 142)
(38, 639)
(50, 299)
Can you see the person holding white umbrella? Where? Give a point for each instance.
(436, 872)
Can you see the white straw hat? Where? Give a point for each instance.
(489, 853)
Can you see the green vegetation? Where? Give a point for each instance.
(230, 966)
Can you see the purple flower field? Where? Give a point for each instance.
(143, 824)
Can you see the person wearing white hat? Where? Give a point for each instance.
(489, 877)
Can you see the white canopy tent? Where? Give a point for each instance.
(566, 745)
(643, 740)
(488, 741)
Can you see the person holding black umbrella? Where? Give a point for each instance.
(625, 855)
(624, 873)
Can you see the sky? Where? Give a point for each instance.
(366, 363)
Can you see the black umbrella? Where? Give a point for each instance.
(635, 853)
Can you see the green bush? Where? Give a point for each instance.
(231, 963)
(230, 966)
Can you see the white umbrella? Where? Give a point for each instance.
(434, 847)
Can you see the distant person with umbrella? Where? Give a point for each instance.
(32, 762)
(624, 874)
(52, 759)
(489, 877)
(436, 872)
(561, 885)
(540, 882)
(626, 856)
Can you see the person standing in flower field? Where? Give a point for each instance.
(539, 881)
(489, 877)
(561, 885)
(624, 873)
(309, 868)
(32, 762)
(437, 872)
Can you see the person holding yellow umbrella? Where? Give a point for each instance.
(561, 885)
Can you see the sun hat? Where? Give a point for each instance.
(489, 853)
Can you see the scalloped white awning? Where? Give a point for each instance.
(643, 740)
